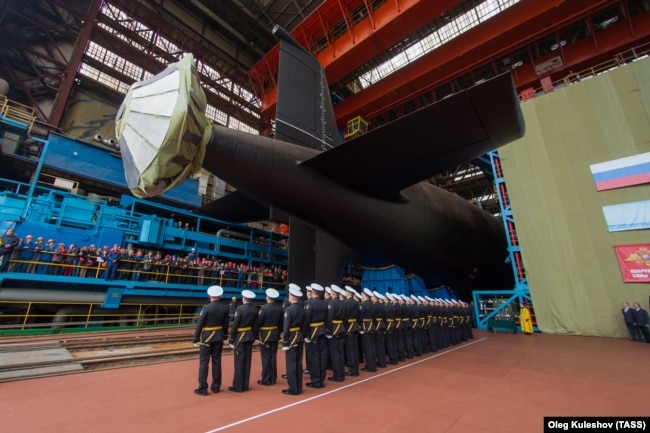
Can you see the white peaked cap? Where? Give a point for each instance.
(317, 287)
(272, 293)
(215, 291)
(248, 294)
(294, 289)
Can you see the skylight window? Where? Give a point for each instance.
(442, 35)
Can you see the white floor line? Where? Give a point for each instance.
(374, 376)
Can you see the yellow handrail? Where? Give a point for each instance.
(17, 111)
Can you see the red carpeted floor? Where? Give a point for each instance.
(495, 383)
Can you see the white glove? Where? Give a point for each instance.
(232, 346)
(329, 337)
(195, 344)
(285, 348)
(361, 332)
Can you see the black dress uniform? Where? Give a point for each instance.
(244, 329)
(211, 331)
(400, 338)
(422, 318)
(407, 327)
(380, 332)
(336, 338)
(351, 308)
(292, 344)
(416, 328)
(367, 313)
(431, 327)
(313, 330)
(391, 324)
(270, 325)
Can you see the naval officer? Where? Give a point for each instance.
(336, 334)
(352, 315)
(270, 325)
(367, 314)
(211, 330)
(244, 329)
(292, 341)
(314, 331)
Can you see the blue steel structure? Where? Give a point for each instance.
(394, 279)
(503, 304)
(42, 209)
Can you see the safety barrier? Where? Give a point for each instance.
(160, 273)
(19, 317)
(618, 60)
(17, 111)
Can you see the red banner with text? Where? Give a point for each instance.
(634, 261)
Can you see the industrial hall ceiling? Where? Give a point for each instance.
(50, 47)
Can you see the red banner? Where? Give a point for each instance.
(634, 261)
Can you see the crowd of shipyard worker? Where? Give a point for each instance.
(38, 256)
(331, 329)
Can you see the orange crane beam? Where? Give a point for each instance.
(517, 26)
(361, 40)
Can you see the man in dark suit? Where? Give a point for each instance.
(244, 329)
(9, 243)
(211, 330)
(292, 342)
(628, 316)
(641, 322)
(270, 325)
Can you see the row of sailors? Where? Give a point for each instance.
(391, 327)
(327, 327)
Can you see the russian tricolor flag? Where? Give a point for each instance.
(618, 173)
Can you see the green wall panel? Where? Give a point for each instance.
(572, 271)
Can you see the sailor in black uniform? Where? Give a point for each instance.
(313, 330)
(292, 340)
(367, 313)
(270, 325)
(391, 325)
(211, 330)
(244, 329)
(380, 329)
(431, 336)
(336, 334)
(352, 310)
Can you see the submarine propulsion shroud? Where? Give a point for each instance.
(367, 193)
(162, 129)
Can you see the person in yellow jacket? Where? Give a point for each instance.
(526, 320)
